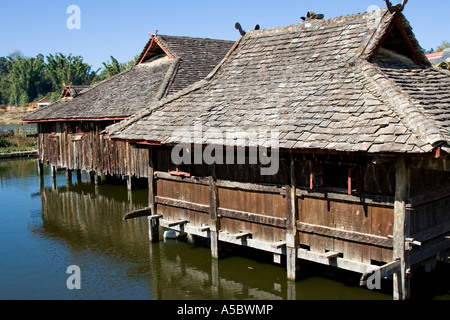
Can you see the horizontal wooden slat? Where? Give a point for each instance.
(182, 204)
(171, 177)
(433, 232)
(252, 217)
(360, 199)
(278, 189)
(345, 235)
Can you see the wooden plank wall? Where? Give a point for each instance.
(92, 152)
(347, 218)
(358, 227)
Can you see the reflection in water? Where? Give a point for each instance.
(87, 216)
(78, 223)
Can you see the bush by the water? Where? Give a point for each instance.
(17, 143)
(4, 143)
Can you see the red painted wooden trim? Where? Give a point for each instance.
(73, 119)
(151, 43)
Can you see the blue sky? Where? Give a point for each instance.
(120, 28)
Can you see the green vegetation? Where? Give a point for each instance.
(24, 79)
(17, 142)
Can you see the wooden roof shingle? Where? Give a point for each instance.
(124, 94)
(338, 85)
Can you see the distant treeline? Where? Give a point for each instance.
(25, 79)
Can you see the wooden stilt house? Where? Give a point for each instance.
(359, 122)
(70, 130)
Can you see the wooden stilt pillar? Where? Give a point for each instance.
(129, 183)
(79, 176)
(40, 166)
(215, 280)
(291, 291)
(69, 176)
(53, 172)
(92, 176)
(291, 221)
(153, 224)
(401, 231)
(214, 219)
(97, 178)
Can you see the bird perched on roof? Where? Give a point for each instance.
(396, 8)
(311, 15)
(241, 31)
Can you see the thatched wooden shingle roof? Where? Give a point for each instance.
(358, 83)
(170, 64)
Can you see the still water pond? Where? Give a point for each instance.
(18, 127)
(48, 225)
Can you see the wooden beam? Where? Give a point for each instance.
(340, 263)
(433, 232)
(252, 217)
(242, 235)
(291, 221)
(138, 214)
(168, 176)
(178, 223)
(277, 189)
(384, 271)
(182, 204)
(383, 201)
(401, 230)
(353, 236)
(213, 213)
(279, 245)
(332, 255)
(153, 224)
(429, 250)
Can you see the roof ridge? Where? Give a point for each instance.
(189, 37)
(344, 18)
(401, 103)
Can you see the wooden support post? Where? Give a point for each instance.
(214, 219)
(53, 170)
(401, 230)
(131, 182)
(69, 175)
(93, 176)
(178, 223)
(291, 222)
(153, 224)
(40, 165)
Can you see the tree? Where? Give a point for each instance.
(443, 46)
(5, 66)
(115, 67)
(26, 77)
(24, 99)
(62, 70)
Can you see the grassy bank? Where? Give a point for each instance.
(17, 142)
(12, 116)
